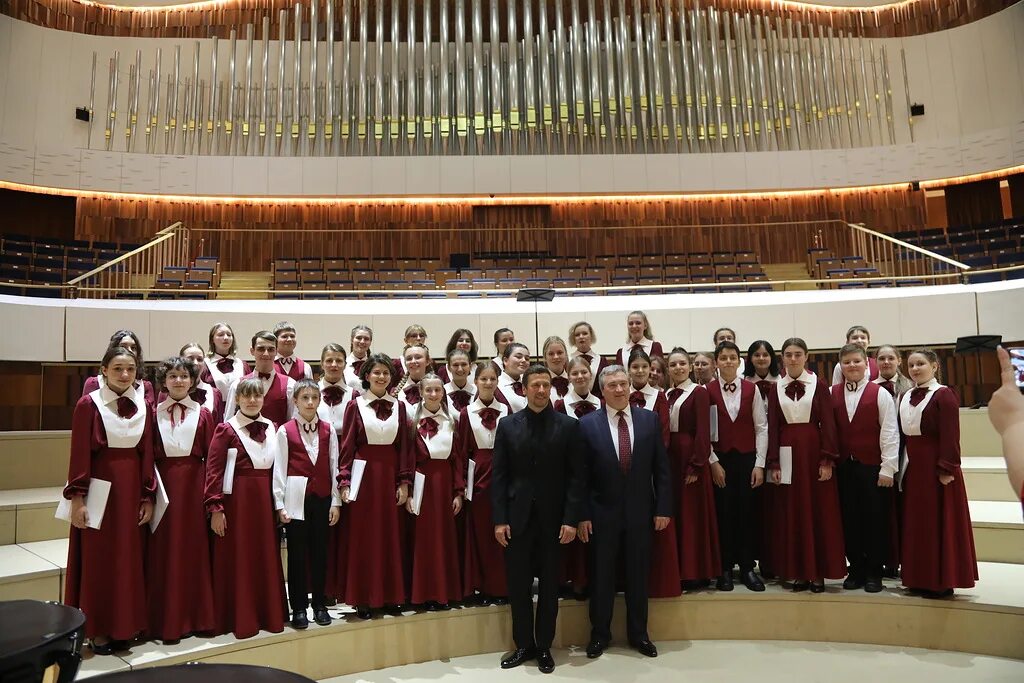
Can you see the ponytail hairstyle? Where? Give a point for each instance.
(648, 332)
(332, 347)
(429, 370)
(497, 337)
(352, 334)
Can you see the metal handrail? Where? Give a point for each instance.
(162, 236)
(907, 245)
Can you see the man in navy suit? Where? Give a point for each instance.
(630, 492)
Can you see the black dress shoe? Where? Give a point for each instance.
(800, 586)
(873, 584)
(393, 610)
(936, 595)
(518, 656)
(363, 612)
(853, 582)
(499, 601)
(320, 616)
(103, 649)
(817, 586)
(596, 648)
(299, 620)
(692, 585)
(724, 582)
(171, 641)
(646, 648)
(752, 581)
(545, 662)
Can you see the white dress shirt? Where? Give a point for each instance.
(889, 436)
(613, 425)
(311, 440)
(759, 413)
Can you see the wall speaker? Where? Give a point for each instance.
(917, 110)
(82, 114)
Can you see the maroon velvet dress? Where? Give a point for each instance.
(248, 580)
(105, 576)
(805, 526)
(372, 573)
(436, 575)
(92, 383)
(695, 522)
(178, 572)
(938, 541)
(484, 565)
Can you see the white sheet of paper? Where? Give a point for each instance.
(358, 467)
(295, 497)
(162, 501)
(786, 463)
(229, 470)
(95, 503)
(417, 492)
(714, 423)
(470, 472)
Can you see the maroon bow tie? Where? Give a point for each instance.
(587, 357)
(358, 365)
(763, 386)
(851, 386)
(583, 408)
(730, 387)
(333, 394)
(561, 385)
(489, 418)
(917, 395)
(311, 428)
(889, 386)
(427, 428)
(795, 390)
(126, 407)
(412, 394)
(257, 431)
(517, 387)
(225, 365)
(198, 395)
(638, 399)
(382, 408)
(674, 394)
(264, 375)
(460, 398)
(181, 413)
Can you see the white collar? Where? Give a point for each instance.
(371, 397)
(244, 420)
(217, 356)
(256, 373)
(324, 383)
(315, 422)
(478, 405)
(437, 414)
(860, 384)
(573, 396)
(108, 395)
(804, 377)
(562, 374)
(187, 402)
(879, 380)
(590, 353)
(627, 411)
(736, 380)
(685, 384)
(647, 389)
(930, 385)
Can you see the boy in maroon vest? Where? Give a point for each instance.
(277, 388)
(307, 501)
(287, 362)
(869, 457)
(739, 446)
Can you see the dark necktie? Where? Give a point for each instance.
(917, 395)
(795, 390)
(583, 408)
(198, 395)
(257, 431)
(460, 398)
(625, 449)
(427, 428)
(889, 386)
(181, 413)
(412, 394)
(674, 394)
(126, 407)
(851, 386)
(561, 385)
(333, 394)
(382, 409)
(517, 387)
(489, 418)
(638, 399)
(225, 365)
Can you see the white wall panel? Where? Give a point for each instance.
(34, 329)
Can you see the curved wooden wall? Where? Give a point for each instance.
(908, 18)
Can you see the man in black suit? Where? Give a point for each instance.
(630, 491)
(537, 491)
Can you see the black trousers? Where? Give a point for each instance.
(534, 551)
(607, 541)
(307, 554)
(865, 507)
(734, 508)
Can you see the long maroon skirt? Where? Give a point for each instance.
(435, 552)
(484, 558)
(248, 581)
(938, 541)
(178, 580)
(105, 566)
(663, 580)
(807, 531)
(695, 523)
(373, 565)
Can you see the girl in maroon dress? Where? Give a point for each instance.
(938, 543)
(578, 401)
(805, 522)
(415, 335)
(503, 336)
(128, 340)
(202, 393)
(516, 360)
(484, 568)
(583, 337)
(223, 367)
(462, 340)
(640, 336)
(436, 578)
(664, 581)
(460, 389)
(375, 432)
(248, 582)
(762, 367)
(416, 361)
(556, 355)
(703, 367)
(359, 350)
(178, 587)
(659, 373)
(334, 392)
(112, 441)
(693, 493)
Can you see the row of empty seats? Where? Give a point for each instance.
(48, 261)
(196, 281)
(982, 247)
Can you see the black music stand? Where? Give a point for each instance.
(976, 344)
(536, 295)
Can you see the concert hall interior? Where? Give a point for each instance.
(834, 189)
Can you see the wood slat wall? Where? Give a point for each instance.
(248, 236)
(910, 18)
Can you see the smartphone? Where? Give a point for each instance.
(1017, 360)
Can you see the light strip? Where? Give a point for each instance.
(974, 177)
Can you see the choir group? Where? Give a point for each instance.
(378, 475)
